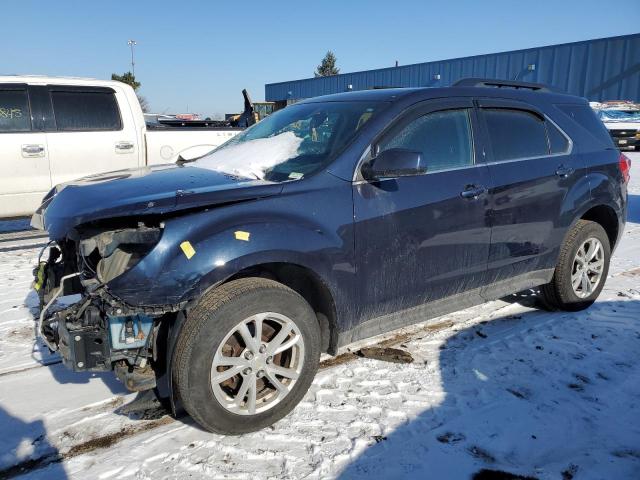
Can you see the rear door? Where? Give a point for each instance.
(532, 169)
(425, 237)
(91, 135)
(24, 161)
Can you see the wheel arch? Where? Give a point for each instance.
(607, 218)
(309, 285)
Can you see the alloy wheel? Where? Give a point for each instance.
(257, 364)
(587, 268)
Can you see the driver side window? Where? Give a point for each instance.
(443, 138)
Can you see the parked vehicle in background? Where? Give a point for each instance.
(54, 130)
(622, 119)
(332, 220)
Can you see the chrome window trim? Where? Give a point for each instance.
(359, 179)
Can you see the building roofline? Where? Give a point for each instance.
(523, 50)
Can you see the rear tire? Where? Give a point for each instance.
(234, 329)
(581, 271)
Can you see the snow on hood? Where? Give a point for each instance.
(252, 158)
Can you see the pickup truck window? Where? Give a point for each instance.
(291, 143)
(515, 134)
(14, 111)
(82, 111)
(443, 138)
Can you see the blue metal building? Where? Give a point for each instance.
(600, 69)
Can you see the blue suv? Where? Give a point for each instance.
(217, 284)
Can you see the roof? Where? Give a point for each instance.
(51, 80)
(424, 93)
(375, 95)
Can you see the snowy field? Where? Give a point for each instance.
(496, 388)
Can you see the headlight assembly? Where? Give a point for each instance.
(109, 254)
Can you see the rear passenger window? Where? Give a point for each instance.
(558, 143)
(14, 111)
(584, 116)
(444, 139)
(76, 111)
(515, 134)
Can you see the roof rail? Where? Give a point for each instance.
(494, 82)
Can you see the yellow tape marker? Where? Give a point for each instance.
(188, 249)
(240, 235)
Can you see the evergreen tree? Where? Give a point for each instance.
(130, 79)
(127, 78)
(328, 66)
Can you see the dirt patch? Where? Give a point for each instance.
(110, 405)
(22, 333)
(388, 354)
(84, 447)
(389, 342)
(481, 454)
(631, 273)
(338, 360)
(451, 437)
(485, 474)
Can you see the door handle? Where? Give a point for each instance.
(564, 172)
(33, 150)
(473, 192)
(124, 147)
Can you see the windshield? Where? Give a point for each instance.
(620, 115)
(292, 143)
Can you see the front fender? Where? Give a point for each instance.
(223, 242)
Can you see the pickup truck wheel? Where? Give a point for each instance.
(581, 270)
(246, 355)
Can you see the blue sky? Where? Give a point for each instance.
(199, 55)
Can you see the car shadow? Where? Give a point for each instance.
(633, 208)
(525, 395)
(24, 446)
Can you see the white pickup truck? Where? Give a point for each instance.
(53, 130)
(622, 119)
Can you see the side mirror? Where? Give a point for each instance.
(395, 162)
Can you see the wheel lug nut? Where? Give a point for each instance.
(247, 371)
(263, 348)
(260, 374)
(269, 360)
(248, 355)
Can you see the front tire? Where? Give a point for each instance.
(246, 355)
(581, 271)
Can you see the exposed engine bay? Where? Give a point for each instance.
(100, 332)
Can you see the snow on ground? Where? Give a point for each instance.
(500, 387)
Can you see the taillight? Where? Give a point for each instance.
(625, 167)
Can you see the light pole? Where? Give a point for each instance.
(132, 43)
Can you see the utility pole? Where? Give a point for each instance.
(132, 43)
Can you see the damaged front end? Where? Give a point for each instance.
(99, 331)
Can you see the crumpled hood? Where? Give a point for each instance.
(143, 191)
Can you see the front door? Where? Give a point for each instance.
(24, 156)
(425, 237)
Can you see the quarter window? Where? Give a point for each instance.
(14, 111)
(443, 138)
(515, 134)
(584, 116)
(558, 143)
(76, 111)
